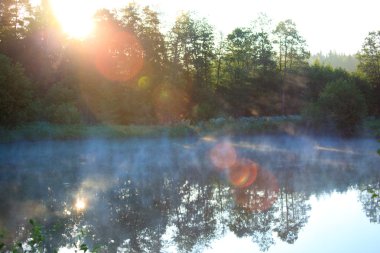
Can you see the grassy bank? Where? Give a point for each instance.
(46, 131)
(220, 126)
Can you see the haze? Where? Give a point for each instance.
(337, 25)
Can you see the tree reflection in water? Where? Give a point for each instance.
(156, 205)
(370, 198)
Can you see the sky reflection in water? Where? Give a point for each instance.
(273, 193)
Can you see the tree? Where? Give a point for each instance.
(239, 57)
(369, 58)
(203, 52)
(191, 54)
(153, 42)
(292, 54)
(42, 49)
(336, 60)
(131, 19)
(369, 64)
(248, 71)
(61, 103)
(180, 50)
(16, 94)
(318, 76)
(15, 16)
(293, 207)
(264, 54)
(370, 199)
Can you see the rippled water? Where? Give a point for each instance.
(248, 194)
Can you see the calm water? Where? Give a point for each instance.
(251, 194)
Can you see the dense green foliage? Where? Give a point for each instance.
(369, 64)
(15, 94)
(129, 72)
(340, 106)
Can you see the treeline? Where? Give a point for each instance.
(129, 72)
(336, 60)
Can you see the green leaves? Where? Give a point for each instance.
(293, 52)
(369, 57)
(374, 194)
(83, 247)
(37, 237)
(340, 107)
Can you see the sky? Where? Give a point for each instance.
(327, 230)
(336, 25)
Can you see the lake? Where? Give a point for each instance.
(213, 194)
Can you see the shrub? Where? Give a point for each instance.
(340, 106)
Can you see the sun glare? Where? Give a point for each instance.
(75, 16)
(80, 204)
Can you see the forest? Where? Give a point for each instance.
(130, 72)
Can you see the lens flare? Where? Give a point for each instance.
(120, 57)
(223, 155)
(261, 195)
(243, 173)
(144, 83)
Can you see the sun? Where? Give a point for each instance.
(75, 16)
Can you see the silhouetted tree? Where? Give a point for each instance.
(292, 54)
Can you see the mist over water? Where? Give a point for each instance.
(183, 195)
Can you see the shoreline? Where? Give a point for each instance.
(290, 125)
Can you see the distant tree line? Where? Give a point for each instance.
(129, 72)
(336, 60)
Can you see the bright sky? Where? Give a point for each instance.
(337, 25)
(327, 230)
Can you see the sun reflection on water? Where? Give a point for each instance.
(80, 204)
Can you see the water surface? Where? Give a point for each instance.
(247, 194)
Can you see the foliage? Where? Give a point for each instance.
(340, 106)
(292, 55)
(36, 241)
(369, 57)
(369, 64)
(373, 193)
(319, 75)
(60, 105)
(16, 94)
(64, 114)
(292, 48)
(128, 72)
(37, 238)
